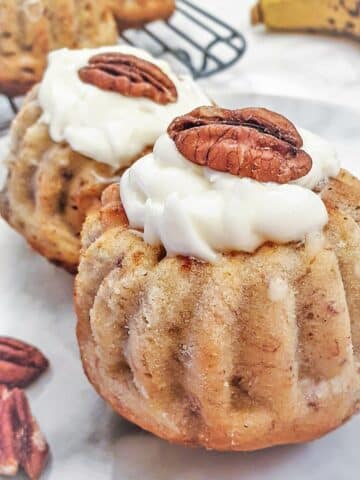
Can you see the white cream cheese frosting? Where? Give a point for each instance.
(199, 212)
(107, 126)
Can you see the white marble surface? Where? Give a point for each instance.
(311, 66)
(87, 440)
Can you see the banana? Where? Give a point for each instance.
(335, 16)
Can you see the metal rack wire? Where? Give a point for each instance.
(212, 46)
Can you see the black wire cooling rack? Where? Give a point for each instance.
(212, 46)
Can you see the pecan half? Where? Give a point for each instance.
(20, 363)
(21, 441)
(129, 75)
(9, 464)
(250, 142)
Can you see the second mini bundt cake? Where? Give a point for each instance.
(218, 293)
(94, 113)
(30, 29)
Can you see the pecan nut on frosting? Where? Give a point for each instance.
(250, 142)
(129, 75)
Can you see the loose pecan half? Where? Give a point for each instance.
(129, 75)
(20, 363)
(21, 441)
(250, 142)
(9, 464)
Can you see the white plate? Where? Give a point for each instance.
(87, 440)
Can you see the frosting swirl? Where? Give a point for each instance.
(196, 211)
(107, 126)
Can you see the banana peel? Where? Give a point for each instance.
(333, 16)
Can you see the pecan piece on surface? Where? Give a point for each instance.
(250, 142)
(21, 441)
(9, 464)
(129, 75)
(20, 363)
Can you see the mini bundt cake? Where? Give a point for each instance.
(94, 113)
(135, 13)
(218, 293)
(30, 29)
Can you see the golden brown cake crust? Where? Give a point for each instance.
(257, 350)
(29, 30)
(136, 13)
(49, 188)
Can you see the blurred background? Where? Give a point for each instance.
(251, 58)
(317, 66)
